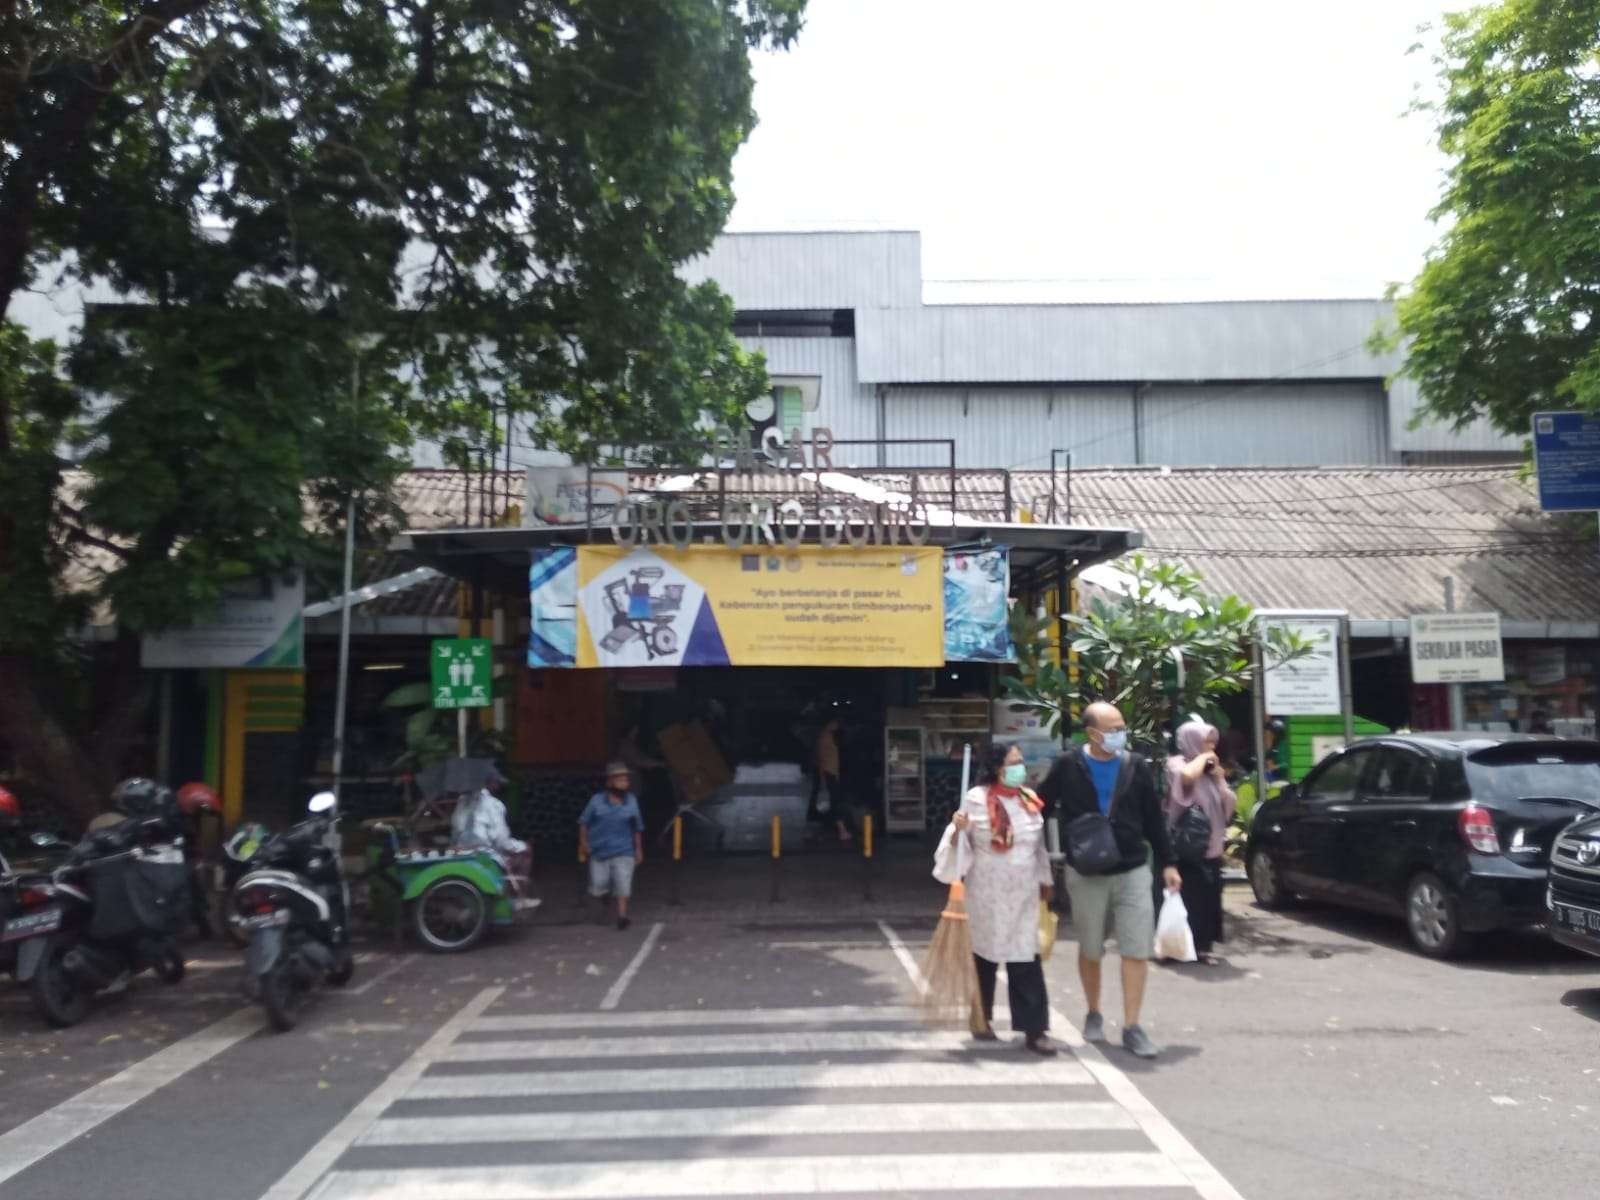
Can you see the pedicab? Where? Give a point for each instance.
(448, 896)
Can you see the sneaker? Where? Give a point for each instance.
(1041, 1045)
(1137, 1042)
(1094, 1028)
(623, 922)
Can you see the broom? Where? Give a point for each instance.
(949, 989)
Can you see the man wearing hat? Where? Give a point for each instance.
(611, 836)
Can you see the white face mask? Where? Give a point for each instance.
(1116, 741)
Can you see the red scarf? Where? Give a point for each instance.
(1001, 835)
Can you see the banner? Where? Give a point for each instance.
(976, 585)
(258, 624)
(810, 606)
(553, 603)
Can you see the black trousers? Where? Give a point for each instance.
(1030, 1005)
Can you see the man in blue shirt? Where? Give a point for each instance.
(611, 837)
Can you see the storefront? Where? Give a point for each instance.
(715, 640)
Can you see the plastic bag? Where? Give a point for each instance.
(824, 801)
(1047, 930)
(1174, 938)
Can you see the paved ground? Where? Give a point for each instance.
(569, 1060)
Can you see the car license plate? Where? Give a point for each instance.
(31, 925)
(266, 920)
(1579, 920)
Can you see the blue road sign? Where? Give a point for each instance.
(1566, 453)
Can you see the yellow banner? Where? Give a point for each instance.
(812, 606)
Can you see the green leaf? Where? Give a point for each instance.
(409, 695)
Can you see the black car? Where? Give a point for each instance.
(1453, 832)
(1575, 887)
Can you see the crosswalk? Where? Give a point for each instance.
(823, 1102)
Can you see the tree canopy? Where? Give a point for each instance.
(1501, 321)
(334, 226)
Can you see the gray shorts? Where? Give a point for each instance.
(1120, 906)
(611, 876)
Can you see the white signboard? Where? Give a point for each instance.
(1307, 686)
(258, 625)
(562, 496)
(1456, 648)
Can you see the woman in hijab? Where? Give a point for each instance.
(1003, 826)
(1195, 779)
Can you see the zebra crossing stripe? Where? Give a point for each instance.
(907, 1174)
(980, 1072)
(787, 1121)
(722, 1043)
(690, 1018)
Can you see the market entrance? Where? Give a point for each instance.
(819, 750)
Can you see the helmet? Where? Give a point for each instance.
(9, 808)
(140, 797)
(195, 797)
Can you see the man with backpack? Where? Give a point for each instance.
(1111, 821)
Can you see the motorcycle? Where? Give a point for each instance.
(27, 909)
(293, 905)
(112, 910)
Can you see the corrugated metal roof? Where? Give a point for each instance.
(819, 270)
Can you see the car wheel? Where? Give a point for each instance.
(1433, 917)
(1266, 882)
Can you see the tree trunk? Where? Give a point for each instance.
(72, 776)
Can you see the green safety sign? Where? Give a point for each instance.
(461, 673)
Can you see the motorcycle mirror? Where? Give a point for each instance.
(45, 840)
(322, 802)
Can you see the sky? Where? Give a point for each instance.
(1068, 150)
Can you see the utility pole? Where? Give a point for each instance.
(1458, 707)
(344, 606)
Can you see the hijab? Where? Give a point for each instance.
(1205, 791)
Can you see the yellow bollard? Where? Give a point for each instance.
(677, 838)
(866, 835)
(674, 896)
(777, 836)
(866, 857)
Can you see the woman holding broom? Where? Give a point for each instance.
(1002, 825)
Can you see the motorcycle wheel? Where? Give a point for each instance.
(343, 970)
(450, 916)
(282, 997)
(170, 967)
(57, 996)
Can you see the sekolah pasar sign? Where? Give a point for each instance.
(1457, 648)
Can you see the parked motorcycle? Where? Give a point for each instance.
(110, 911)
(293, 904)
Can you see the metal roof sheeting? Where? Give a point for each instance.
(822, 270)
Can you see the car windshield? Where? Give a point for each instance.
(1546, 775)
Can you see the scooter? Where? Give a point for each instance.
(293, 904)
(110, 911)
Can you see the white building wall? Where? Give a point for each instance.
(1012, 427)
(799, 271)
(1264, 425)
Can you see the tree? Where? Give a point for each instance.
(337, 227)
(1501, 321)
(1163, 651)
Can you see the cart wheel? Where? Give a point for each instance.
(664, 640)
(450, 915)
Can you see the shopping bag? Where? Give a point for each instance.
(1174, 938)
(1047, 930)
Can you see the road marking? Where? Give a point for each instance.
(54, 1128)
(305, 1173)
(400, 963)
(614, 996)
(905, 1174)
(936, 1116)
(724, 1043)
(691, 1017)
(904, 955)
(976, 1072)
(1197, 1171)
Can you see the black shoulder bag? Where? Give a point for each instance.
(1191, 835)
(1091, 845)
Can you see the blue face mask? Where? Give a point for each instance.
(1014, 775)
(1116, 741)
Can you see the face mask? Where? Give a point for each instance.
(1014, 775)
(1116, 741)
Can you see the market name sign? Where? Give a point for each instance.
(1456, 648)
(769, 521)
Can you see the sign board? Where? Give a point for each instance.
(1307, 686)
(462, 673)
(1456, 648)
(977, 625)
(714, 606)
(258, 624)
(1566, 454)
(566, 496)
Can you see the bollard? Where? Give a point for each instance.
(866, 857)
(777, 854)
(673, 897)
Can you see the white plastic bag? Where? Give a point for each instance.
(1174, 938)
(824, 800)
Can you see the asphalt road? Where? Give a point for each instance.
(1325, 1060)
